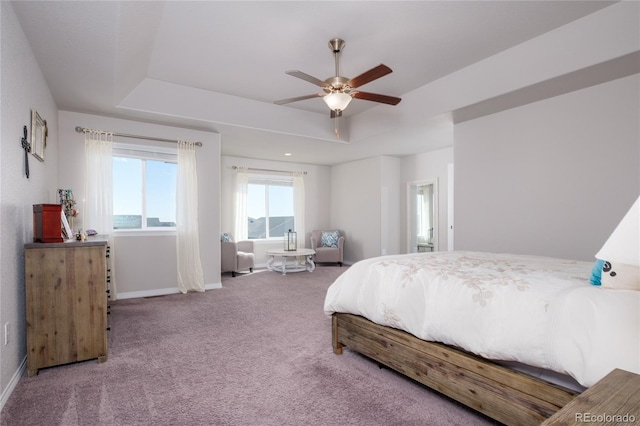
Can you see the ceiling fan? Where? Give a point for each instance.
(337, 92)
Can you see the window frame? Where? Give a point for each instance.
(145, 153)
(270, 180)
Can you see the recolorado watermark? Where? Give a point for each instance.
(604, 418)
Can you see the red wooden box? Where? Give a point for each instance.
(47, 223)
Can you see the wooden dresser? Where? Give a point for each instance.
(66, 302)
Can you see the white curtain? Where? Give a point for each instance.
(190, 275)
(98, 191)
(298, 206)
(241, 186)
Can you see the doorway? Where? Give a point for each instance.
(422, 212)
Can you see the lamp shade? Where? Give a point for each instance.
(337, 101)
(623, 246)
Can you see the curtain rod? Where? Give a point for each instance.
(265, 170)
(124, 135)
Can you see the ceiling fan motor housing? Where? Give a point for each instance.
(337, 84)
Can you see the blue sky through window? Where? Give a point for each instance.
(160, 188)
(280, 201)
(127, 186)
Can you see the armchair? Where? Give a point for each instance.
(236, 255)
(328, 249)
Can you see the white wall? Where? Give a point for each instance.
(355, 207)
(550, 178)
(146, 264)
(317, 200)
(23, 88)
(390, 196)
(365, 205)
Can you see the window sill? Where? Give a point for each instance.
(168, 232)
(268, 241)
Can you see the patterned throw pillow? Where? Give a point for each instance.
(226, 238)
(330, 239)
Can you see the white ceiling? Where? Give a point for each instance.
(95, 55)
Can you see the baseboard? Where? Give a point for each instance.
(161, 292)
(213, 286)
(6, 393)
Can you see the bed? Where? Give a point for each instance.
(459, 322)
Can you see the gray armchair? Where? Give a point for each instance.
(326, 252)
(237, 256)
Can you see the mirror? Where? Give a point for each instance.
(422, 212)
(38, 135)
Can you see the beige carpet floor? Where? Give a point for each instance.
(255, 352)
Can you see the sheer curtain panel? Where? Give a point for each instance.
(298, 206)
(98, 191)
(240, 223)
(190, 275)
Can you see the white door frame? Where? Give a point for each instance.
(410, 231)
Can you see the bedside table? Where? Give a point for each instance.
(614, 400)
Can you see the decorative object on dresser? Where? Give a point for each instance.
(66, 302)
(47, 223)
(68, 205)
(328, 245)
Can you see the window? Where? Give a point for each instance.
(269, 207)
(144, 188)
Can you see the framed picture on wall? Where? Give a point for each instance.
(38, 135)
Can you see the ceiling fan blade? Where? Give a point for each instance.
(368, 76)
(299, 98)
(306, 77)
(375, 97)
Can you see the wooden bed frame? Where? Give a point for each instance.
(506, 395)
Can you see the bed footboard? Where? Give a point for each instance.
(511, 397)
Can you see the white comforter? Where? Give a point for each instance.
(535, 310)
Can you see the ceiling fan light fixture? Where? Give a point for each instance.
(337, 101)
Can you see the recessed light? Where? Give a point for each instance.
(287, 154)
